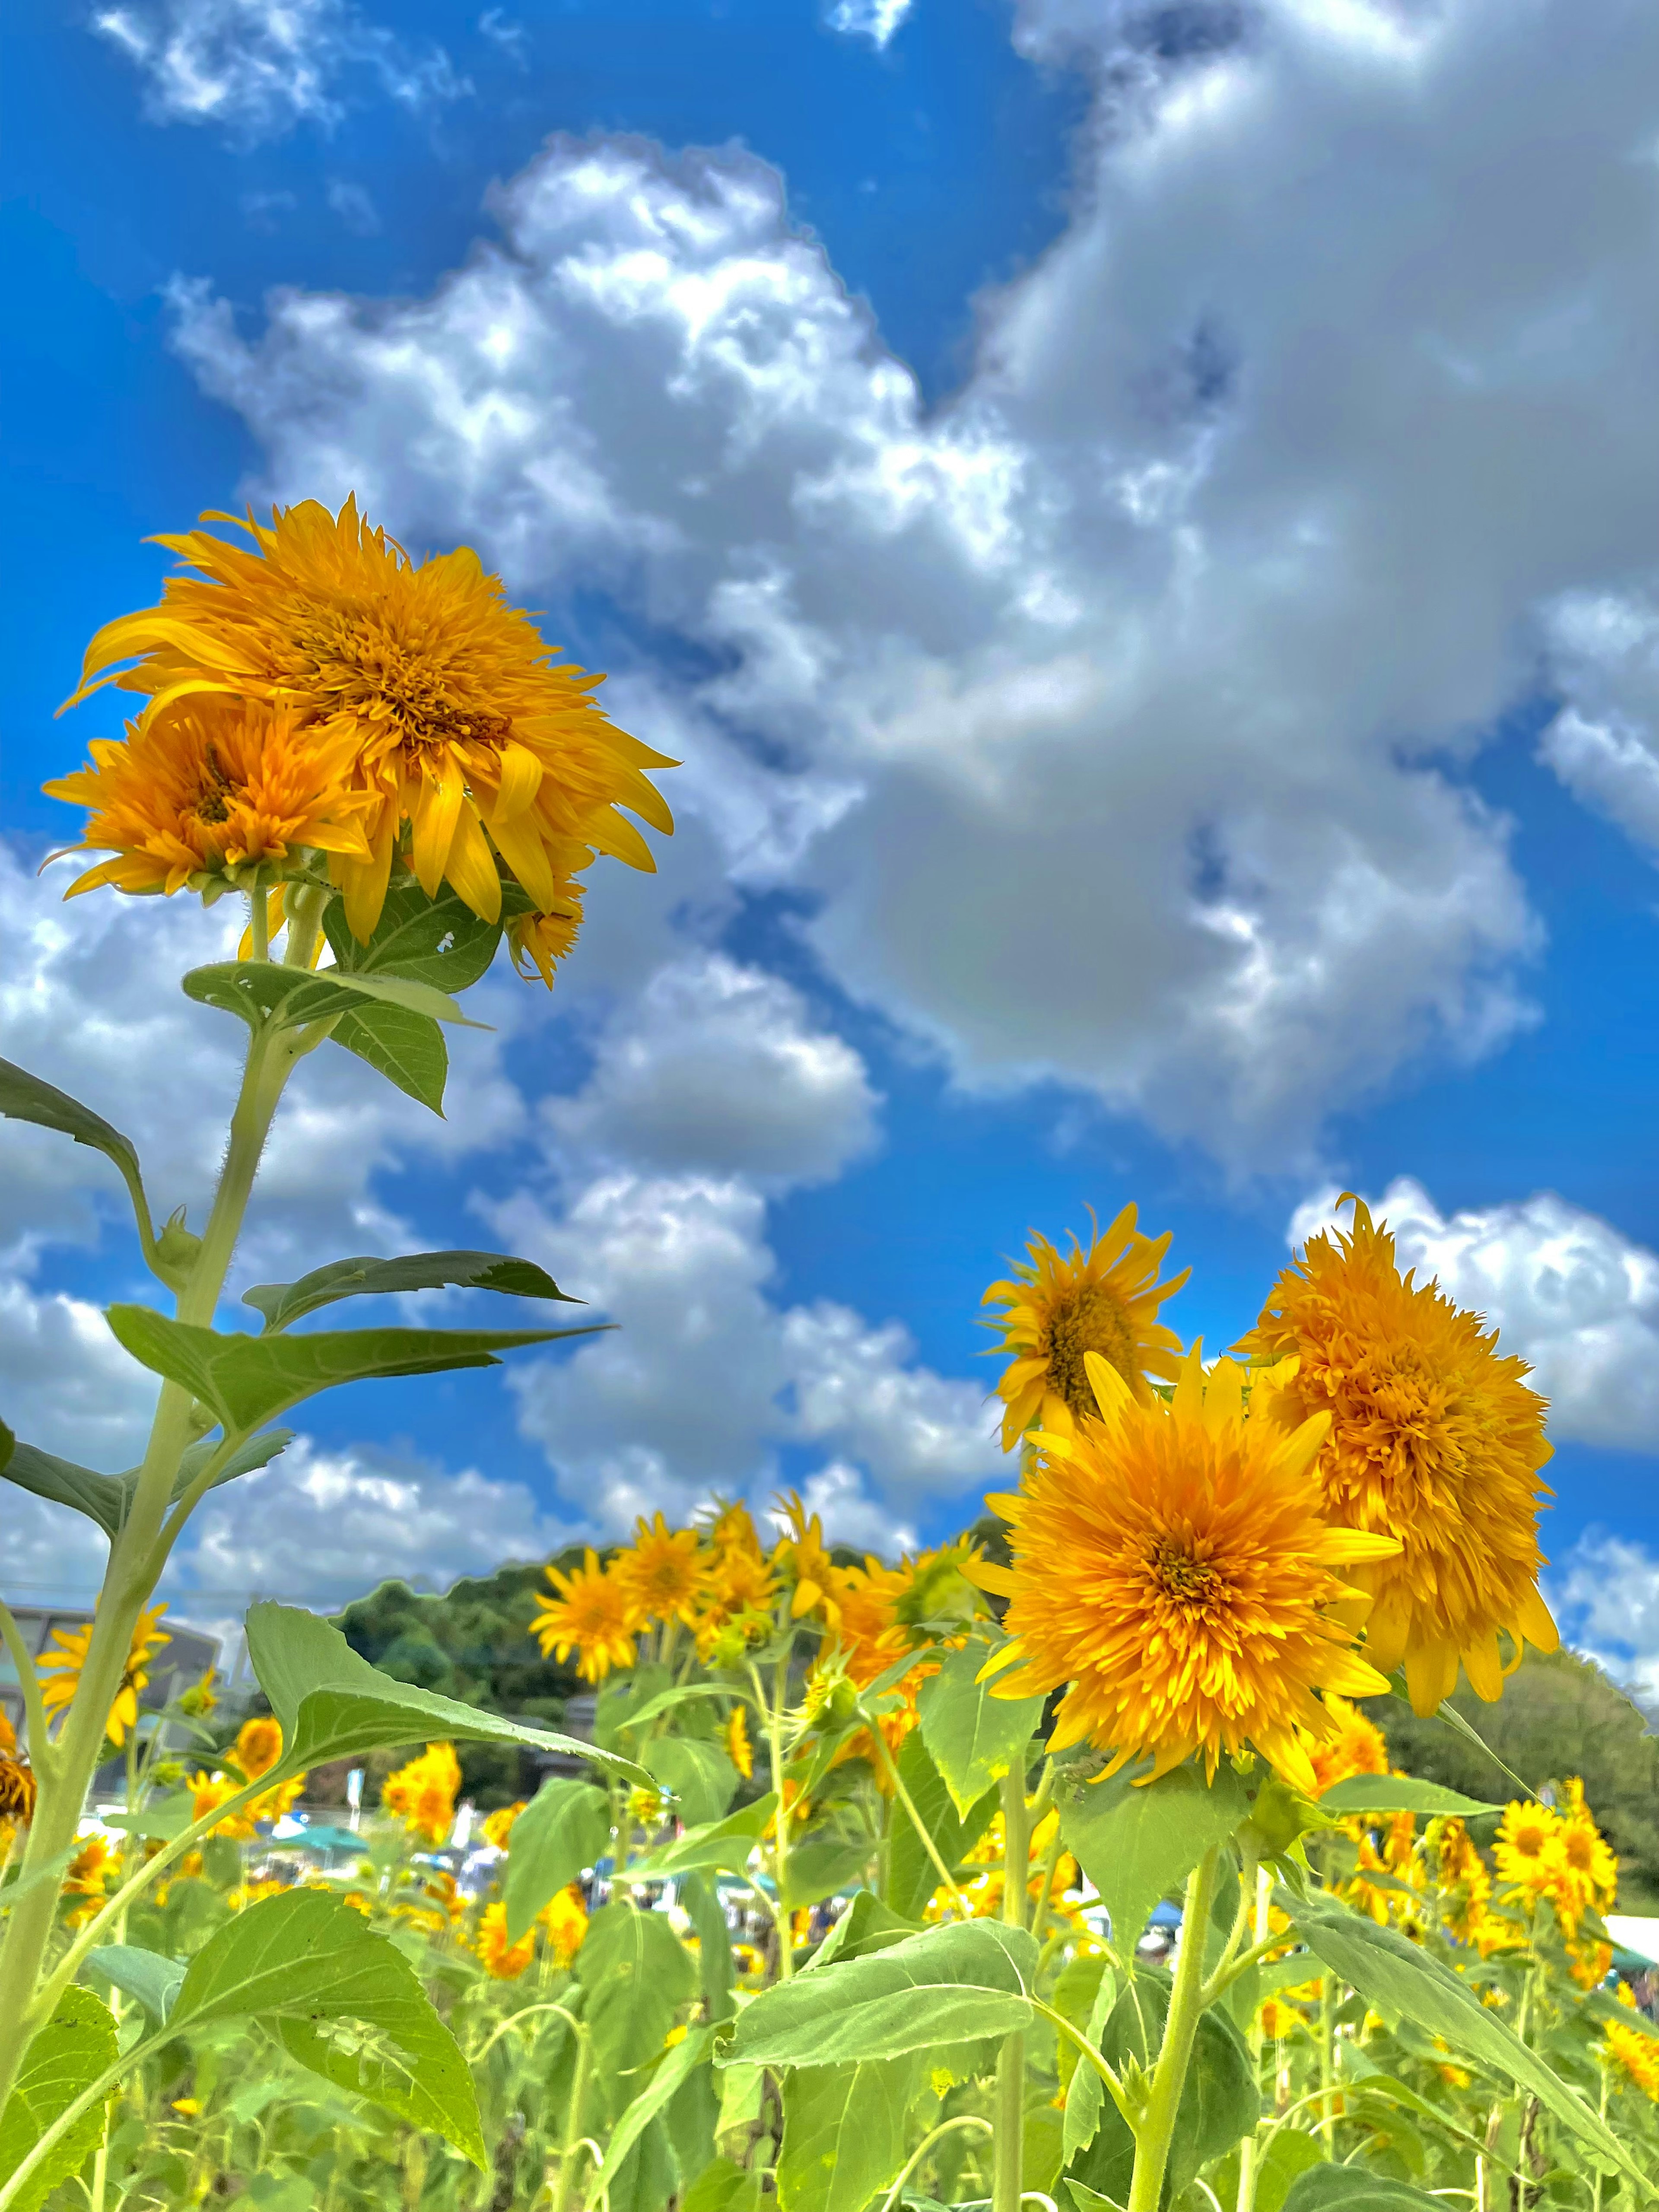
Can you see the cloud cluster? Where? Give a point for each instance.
(259, 67)
(1565, 1290)
(1605, 1597)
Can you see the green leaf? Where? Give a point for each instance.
(15, 1884)
(1395, 1977)
(1288, 2153)
(724, 2186)
(1220, 2101)
(950, 1984)
(701, 1902)
(438, 941)
(1136, 1844)
(1327, 2188)
(1091, 2200)
(74, 2049)
(305, 1960)
(699, 1774)
(25, 1097)
(247, 1379)
(1086, 2093)
(407, 1048)
(283, 1302)
(259, 990)
(107, 1499)
(725, 1847)
(866, 1925)
(333, 1705)
(636, 1974)
(820, 1866)
(972, 1737)
(843, 2133)
(911, 1877)
(1399, 1793)
(654, 2098)
(153, 1981)
(563, 1829)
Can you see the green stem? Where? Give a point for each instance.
(1007, 2175)
(573, 2124)
(43, 1756)
(916, 1822)
(944, 2128)
(258, 901)
(772, 1709)
(1327, 2060)
(1156, 2130)
(1249, 2151)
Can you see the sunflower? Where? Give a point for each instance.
(463, 725)
(800, 1557)
(1528, 1851)
(208, 1793)
(662, 1574)
(565, 1922)
(215, 790)
(589, 1616)
(421, 1794)
(61, 1669)
(1635, 2053)
(1170, 1565)
(738, 1749)
(543, 939)
(1355, 1745)
(497, 1827)
(503, 1961)
(17, 1793)
(257, 1748)
(1060, 1306)
(1434, 1440)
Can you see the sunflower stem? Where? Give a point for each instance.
(1249, 2151)
(43, 1756)
(1156, 2130)
(1007, 2173)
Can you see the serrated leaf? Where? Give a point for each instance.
(244, 1380)
(305, 1958)
(1286, 2151)
(953, 1983)
(283, 1304)
(152, 1980)
(1136, 1843)
(407, 1047)
(911, 1877)
(1399, 1793)
(332, 1703)
(76, 2047)
(700, 1901)
(438, 941)
(819, 1866)
(636, 1974)
(844, 2132)
(563, 1829)
(866, 1926)
(260, 990)
(663, 2085)
(972, 1737)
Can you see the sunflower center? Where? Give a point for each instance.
(1182, 1576)
(1530, 1842)
(212, 802)
(1092, 1319)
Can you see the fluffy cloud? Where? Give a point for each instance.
(1121, 699)
(875, 20)
(258, 67)
(1606, 1596)
(1564, 1289)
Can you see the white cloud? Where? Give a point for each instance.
(355, 206)
(838, 1494)
(1565, 1291)
(68, 1386)
(875, 20)
(1120, 702)
(258, 67)
(1606, 1596)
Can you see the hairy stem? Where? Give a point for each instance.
(1249, 2151)
(1156, 2130)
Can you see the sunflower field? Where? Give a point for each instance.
(1065, 1867)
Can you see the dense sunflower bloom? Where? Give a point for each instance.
(1170, 1565)
(662, 1574)
(1464, 1883)
(502, 1960)
(565, 1921)
(1636, 2054)
(802, 1559)
(1434, 1440)
(1060, 1306)
(497, 1827)
(543, 939)
(216, 789)
(60, 1669)
(464, 728)
(421, 1794)
(1355, 1745)
(589, 1616)
(1527, 1851)
(738, 1749)
(17, 1794)
(257, 1748)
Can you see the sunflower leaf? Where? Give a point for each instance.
(247, 1379)
(974, 1738)
(259, 990)
(67, 2056)
(1399, 1793)
(283, 1303)
(438, 941)
(25, 1097)
(563, 1830)
(407, 1048)
(1137, 1841)
(100, 1497)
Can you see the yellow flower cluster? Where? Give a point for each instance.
(257, 1748)
(421, 1794)
(319, 700)
(1560, 1859)
(1634, 2051)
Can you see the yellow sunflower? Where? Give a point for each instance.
(421, 1794)
(663, 1573)
(1355, 1745)
(215, 789)
(17, 1793)
(463, 725)
(497, 1827)
(60, 1669)
(1434, 1440)
(565, 1924)
(503, 1961)
(800, 1557)
(1636, 2054)
(589, 1616)
(1169, 1565)
(257, 1748)
(1060, 1306)
(738, 1748)
(543, 939)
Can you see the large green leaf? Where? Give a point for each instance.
(866, 1925)
(701, 1902)
(1327, 2188)
(438, 941)
(973, 1738)
(821, 1865)
(1287, 2153)
(1136, 1843)
(1396, 1977)
(304, 1961)
(25, 1097)
(725, 1846)
(636, 1974)
(333, 1705)
(259, 990)
(244, 1380)
(911, 1877)
(950, 1984)
(153, 1980)
(283, 1302)
(1399, 1793)
(107, 1499)
(71, 2052)
(563, 1829)
(1085, 2094)
(669, 2077)
(1219, 2101)
(698, 1773)
(407, 1048)
(843, 2132)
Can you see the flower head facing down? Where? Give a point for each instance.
(216, 788)
(538, 941)
(1171, 1564)
(1434, 1439)
(1058, 1307)
(590, 1615)
(60, 1669)
(421, 1794)
(465, 733)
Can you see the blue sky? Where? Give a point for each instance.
(1139, 528)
